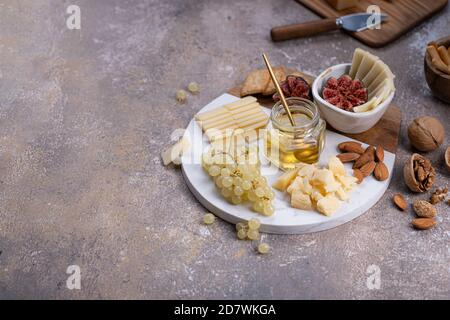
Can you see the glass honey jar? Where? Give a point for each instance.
(287, 146)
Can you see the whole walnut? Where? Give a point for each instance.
(419, 173)
(426, 133)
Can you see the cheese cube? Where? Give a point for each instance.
(285, 180)
(322, 177)
(336, 166)
(301, 201)
(328, 205)
(307, 171)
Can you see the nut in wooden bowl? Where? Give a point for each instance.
(438, 81)
(447, 158)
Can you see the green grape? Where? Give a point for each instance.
(247, 175)
(268, 209)
(236, 200)
(258, 206)
(238, 191)
(237, 181)
(270, 195)
(261, 181)
(242, 234)
(263, 248)
(218, 181)
(254, 224)
(214, 171)
(227, 192)
(244, 197)
(227, 182)
(209, 218)
(207, 159)
(259, 192)
(252, 234)
(246, 185)
(240, 226)
(252, 196)
(225, 172)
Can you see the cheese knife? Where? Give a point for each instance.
(353, 22)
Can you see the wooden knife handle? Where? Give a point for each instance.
(303, 30)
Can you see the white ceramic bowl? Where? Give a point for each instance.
(341, 120)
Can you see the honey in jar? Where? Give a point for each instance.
(287, 146)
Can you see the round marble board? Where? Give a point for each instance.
(286, 220)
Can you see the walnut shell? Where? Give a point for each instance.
(426, 133)
(419, 173)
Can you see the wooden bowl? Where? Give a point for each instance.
(438, 81)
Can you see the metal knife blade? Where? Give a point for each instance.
(358, 22)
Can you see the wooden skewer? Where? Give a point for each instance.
(280, 92)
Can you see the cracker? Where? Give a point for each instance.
(280, 75)
(255, 82)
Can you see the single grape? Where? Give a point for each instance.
(252, 196)
(225, 172)
(238, 191)
(268, 210)
(237, 181)
(246, 185)
(227, 192)
(270, 195)
(214, 171)
(207, 159)
(218, 181)
(259, 192)
(193, 87)
(263, 248)
(236, 200)
(242, 234)
(240, 226)
(227, 182)
(209, 218)
(254, 224)
(258, 206)
(181, 96)
(252, 234)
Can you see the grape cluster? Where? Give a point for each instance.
(248, 230)
(238, 177)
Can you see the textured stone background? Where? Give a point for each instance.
(85, 114)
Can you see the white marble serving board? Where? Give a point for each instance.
(286, 220)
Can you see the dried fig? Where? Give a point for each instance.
(419, 173)
(345, 93)
(426, 133)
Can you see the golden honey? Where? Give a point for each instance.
(287, 146)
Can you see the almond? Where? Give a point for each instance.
(424, 209)
(423, 223)
(348, 157)
(381, 172)
(351, 147)
(379, 154)
(358, 175)
(366, 157)
(368, 168)
(400, 201)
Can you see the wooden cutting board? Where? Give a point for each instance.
(403, 16)
(385, 133)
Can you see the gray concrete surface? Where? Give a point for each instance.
(85, 113)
